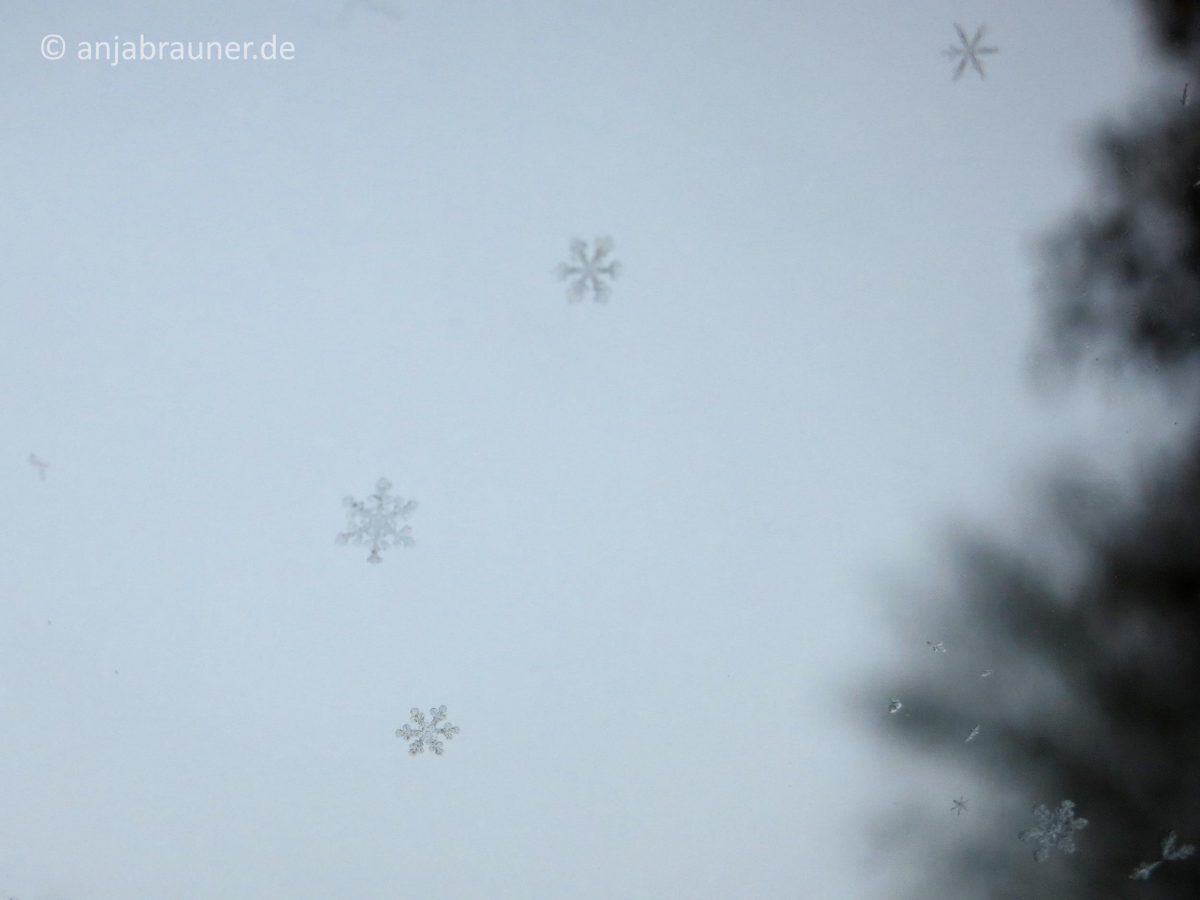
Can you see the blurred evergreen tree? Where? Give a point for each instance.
(1096, 691)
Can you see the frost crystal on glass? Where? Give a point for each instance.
(586, 273)
(376, 521)
(1055, 830)
(969, 51)
(427, 732)
(1170, 853)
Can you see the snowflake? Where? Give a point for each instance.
(969, 51)
(427, 733)
(895, 706)
(375, 521)
(938, 647)
(974, 734)
(959, 806)
(1143, 872)
(40, 465)
(987, 673)
(1169, 853)
(1054, 830)
(587, 273)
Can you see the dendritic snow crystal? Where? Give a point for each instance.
(959, 806)
(427, 732)
(1170, 853)
(969, 51)
(586, 273)
(376, 521)
(1055, 830)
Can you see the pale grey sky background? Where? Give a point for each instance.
(650, 532)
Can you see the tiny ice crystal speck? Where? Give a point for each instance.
(39, 464)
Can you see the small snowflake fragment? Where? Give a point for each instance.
(1170, 853)
(40, 465)
(375, 521)
(1143, 872)
(986, 673)
(427, 733)
(586, 273)
(969, 51)
(895, 706)
(938, 647)
(974, 734)
(1054, 830)
(959, 806)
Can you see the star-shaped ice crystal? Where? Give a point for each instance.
(969, 50)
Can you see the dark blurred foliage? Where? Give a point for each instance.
(1175, 25)
(1095, 695)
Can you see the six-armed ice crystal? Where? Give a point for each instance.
(588, 273)
(969, 50)
(429, 732)
(376, 521)
(1055, 830)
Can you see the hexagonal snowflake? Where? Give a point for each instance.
(375, 521)
(1054, 830)
(589, 273)
(968, 51)
(427, 733)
